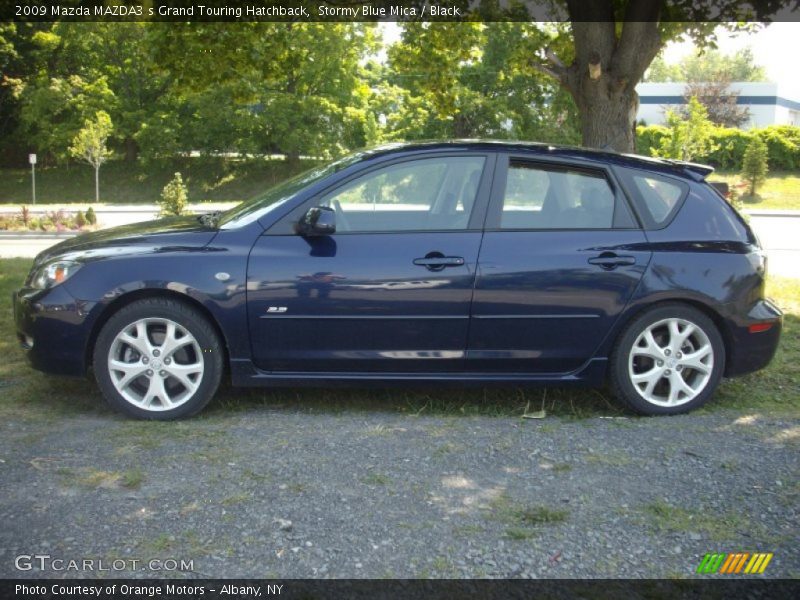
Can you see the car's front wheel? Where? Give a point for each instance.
(669, 360)
(157, 358)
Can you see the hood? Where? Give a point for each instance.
(162, 235)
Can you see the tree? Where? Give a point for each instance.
(612, 44)
(754, 164)
(447, 80)
(720, 102)
(293, 88)
(174, 197)
(689, 136)
(90, 145)
(708, 65)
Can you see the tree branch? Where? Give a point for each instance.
(552, 72)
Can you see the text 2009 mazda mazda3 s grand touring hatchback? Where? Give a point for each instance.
(462, 262)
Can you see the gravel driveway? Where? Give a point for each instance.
(289, 491)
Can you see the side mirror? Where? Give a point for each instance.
(318, 220)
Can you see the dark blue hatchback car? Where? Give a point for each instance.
(448, 262)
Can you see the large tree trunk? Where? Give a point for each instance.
(608, 116)
(609, 61)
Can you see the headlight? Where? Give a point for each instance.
(53, 273)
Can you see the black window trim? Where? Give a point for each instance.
(285, 225)
(505, 160)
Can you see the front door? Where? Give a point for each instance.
(560, 259)
(390, 291)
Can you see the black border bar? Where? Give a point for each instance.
(385, 10)
(302, 589)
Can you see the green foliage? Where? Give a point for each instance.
(708, 66)
(54, 109)
(89, 144)
(307, 89)
(688, 137)
(91, 217)
(729, 145)
(80, 219)
(783, 146)
(174, 197)
(466, 80)
(754, 166)
(649, 139)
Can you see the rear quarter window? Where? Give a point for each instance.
(657, 198)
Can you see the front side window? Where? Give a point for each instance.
(538, 197)
(420, 195)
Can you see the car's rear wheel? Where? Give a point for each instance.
(669, 360)
(158, 359)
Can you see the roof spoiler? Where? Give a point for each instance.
(695, 170)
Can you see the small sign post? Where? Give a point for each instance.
(32, 160)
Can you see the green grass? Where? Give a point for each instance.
(712, 524)
(208, 180)
(376, 479)
(523, 522)
(781, 190)
(775, 389)
(26, 395)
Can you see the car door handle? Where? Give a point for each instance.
(436, 261)
(610, 260)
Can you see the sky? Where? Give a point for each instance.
(776, 47)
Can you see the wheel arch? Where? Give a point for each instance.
(704, 307)
(130, 297)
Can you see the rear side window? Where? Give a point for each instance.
(658, 198)
(537, 197)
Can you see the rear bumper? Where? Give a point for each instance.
(53, 329)
(750, 351)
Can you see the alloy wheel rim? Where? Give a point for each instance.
(671, 362)
(156, 364)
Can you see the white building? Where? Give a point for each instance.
(768, 103)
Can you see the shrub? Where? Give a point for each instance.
(80, 220)
(25, 216)
(174, 197)
(648, 138)
(729, 145)
(91, 218)
(783, 146)
(754, 166)
(690, 135)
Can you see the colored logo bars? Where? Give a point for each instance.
(734, 563)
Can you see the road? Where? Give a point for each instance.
(779, 233)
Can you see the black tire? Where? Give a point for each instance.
(620, 379)
(189, 319)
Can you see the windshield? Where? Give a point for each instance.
(250, 210)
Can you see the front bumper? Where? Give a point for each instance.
(53, 329)
(749, 351)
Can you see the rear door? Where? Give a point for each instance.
(390, 291)
(561, 257)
